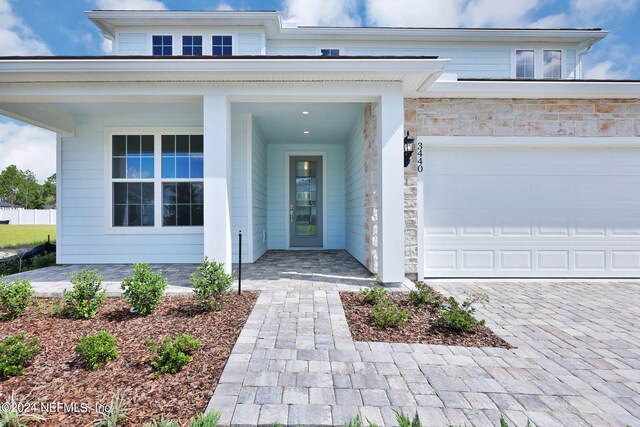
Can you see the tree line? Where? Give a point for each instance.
(21, 188)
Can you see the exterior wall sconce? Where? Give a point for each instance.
(408, 149)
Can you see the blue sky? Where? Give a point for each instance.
(48, 27)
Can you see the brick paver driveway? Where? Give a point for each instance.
(577, 361)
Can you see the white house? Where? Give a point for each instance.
(202, 124)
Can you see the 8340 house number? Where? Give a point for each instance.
(419, 157)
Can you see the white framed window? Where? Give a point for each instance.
(552, 64)
(221, 45)
(154, 180)
(162, 45)
(329, 52)
(525, 64)
(192, 45)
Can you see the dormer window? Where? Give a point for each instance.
(192, 45)
(525, 64)
(552, 63)
(162, 45)
(222, 46)
(329, 52)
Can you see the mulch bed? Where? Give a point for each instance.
(57, 376)
(420, 326)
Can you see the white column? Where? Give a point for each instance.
(217, 173)
(390, 123)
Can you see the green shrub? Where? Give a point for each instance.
(210, 419)
(86, 296)
(15, 354)
(115, 413)
(162, 423)
(144, 289)
(373, 295)
(458, 317)
(387, 315)
(97, 349)
(404, 420)
(425, 297)
(14, 298)
(16, 412)
(43, 260)
(210, 285)
(173, 354)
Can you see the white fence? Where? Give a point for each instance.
(29, 216)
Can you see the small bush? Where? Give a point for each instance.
(15, 354)
(144, 289)
(460, 318)
(115, 413)
(210, 285)
(173, 354)
(162, 423)
(425, 297)
(210, 419)
(43, 260)
(14, 298)
(404, 420)
(97, 349)
(16, 412)
(373, 295)
(387, 315)
(87, 294)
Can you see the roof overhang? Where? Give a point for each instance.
(540, 89)
(416, 73)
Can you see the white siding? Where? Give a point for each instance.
(83, 194)
(239, 185)
(570, 61)
(249, 44)
(259, 189)
(131, 44)
(354, 193)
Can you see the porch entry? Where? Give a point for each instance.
(305, 201)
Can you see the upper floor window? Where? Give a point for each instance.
(329, 52)
(552, 63)
(222, 46)
(192, 45)
(525, 64)
(162, 45)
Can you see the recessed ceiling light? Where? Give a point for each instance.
(306, 132)
(306, 113)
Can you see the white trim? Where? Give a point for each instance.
(249, 170)
(287, 156)
(59, 203)
(528, 141)
(157, 228)
(420, 219)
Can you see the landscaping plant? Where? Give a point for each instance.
(115, 413)
(459, 317)
(173, 354)
(162, 423)
(144, 289)
(404, 420)
(425, 297)
(16, 413)
(14, 298)
(210, 285)
(386, 314)
(373, 295)
(86, 296)
(210, 419)
(43, 260)
(97, 349)
(15, 354)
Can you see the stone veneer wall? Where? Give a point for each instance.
(508, 117)
(370, 188)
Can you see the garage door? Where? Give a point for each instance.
(531, 212)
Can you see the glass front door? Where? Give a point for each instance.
(305, 201)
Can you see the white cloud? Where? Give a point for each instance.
(324, 13)
(224, 6)
(28, 147)
(130, 4)
(600, 11)
(604, 71)
(107, 46)
(16, 38)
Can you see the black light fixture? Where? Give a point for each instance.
(408, 149)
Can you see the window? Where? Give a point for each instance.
(552, 62)
(162, 45)
(156, 179)
(329, 52)
(192, 45)
(525, 64)
(222, 46)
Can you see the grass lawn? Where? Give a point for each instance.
(22, 236)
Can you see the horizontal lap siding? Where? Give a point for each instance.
(239, 187)
(83, 239)
(259, 188)
(354, 193)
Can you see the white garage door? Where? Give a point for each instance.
(531, 212)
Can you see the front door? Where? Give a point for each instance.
(305, 201)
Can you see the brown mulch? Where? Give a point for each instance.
(56, 376)
(420, 326)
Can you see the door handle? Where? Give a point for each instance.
(291, 213)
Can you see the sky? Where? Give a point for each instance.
(59, 27)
